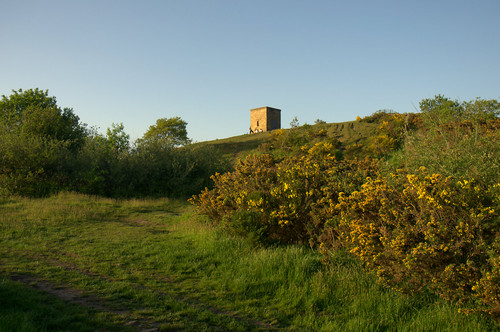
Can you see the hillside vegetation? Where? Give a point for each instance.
(238, 147)
(388, 222)
(418, 201)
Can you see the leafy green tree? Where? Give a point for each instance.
(168, 133)
(117, 138)
(481, 108)
(440, 110)
(13, 107)
(34, 113)
(439, 103)
(38, 143)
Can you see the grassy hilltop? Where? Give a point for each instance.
(238, 147)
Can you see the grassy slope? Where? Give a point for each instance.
(240, 146)
(140, 264)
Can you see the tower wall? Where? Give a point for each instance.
(265, 119)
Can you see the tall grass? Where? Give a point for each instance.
(291, 286)
(155, 260)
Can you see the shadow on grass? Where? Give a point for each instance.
(24, 308)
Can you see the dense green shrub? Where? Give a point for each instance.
(181, 172)
(455, 148)
(153, 171)
(32, 165)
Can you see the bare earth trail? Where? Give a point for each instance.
(86, 299)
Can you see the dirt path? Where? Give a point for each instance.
(166, 288)
(78, 297)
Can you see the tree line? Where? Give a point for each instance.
(45, 149)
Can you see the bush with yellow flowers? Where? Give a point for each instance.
(434, 228)
(391, 132)
(286, 200)
(299, 194)
(241, 198)
(425, 230)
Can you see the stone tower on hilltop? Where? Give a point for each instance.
(264, 119)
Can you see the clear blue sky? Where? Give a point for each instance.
(210, 61)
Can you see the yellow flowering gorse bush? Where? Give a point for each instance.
(425, 230)
(287, 200)
(435, 228)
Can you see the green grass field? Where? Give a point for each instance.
(79, 263)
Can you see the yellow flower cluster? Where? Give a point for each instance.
(428, 231)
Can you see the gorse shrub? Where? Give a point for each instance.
(424, 216)
(458, 148)
(434, 223)
(425, 230)
(391, 132)
(287, 143)
(290, 198)
(247, 188)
